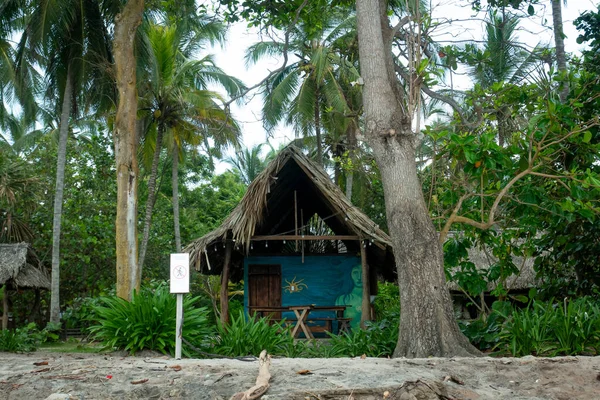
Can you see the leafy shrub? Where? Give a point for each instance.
(484, 332)
(81, 312)
(23, 339)
(148, 322)
(249, 336)
(387, 301)
(550, 329)
(378, 339)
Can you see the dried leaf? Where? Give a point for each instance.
(304, 372)
(40, 363)
(40, 370)
(176, 368)
(139, 382)
(363, 356)
(386, 394)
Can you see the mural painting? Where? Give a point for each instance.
(320, 281)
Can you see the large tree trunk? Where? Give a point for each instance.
(559, 44)
(58, 195)
(126, 142)
(151, 195)
(175, 183)
(427, 324)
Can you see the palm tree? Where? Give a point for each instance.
(248, 162)
(67, 36)
(559, 44)
(177, 105)
(305, 91)
(503, 60)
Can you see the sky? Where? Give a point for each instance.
(468, 25)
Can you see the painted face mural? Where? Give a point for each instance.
(353, 299)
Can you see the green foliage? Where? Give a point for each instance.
(23, 339)
(547, 329)
(81, 312)
(249, 336)
(387, 301)
(148, 322)
(378, 339)
(483, 332)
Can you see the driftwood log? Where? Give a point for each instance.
(262, 381)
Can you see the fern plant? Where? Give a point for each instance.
(148, 322)
(249, 336)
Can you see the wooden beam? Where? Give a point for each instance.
(5, 309)
(366, 295)
(296, 216)
(224, 296)
(304, 237)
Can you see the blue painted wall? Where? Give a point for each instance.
(320, 280)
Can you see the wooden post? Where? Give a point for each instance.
(296, 216)
(366, 295)
(5, 309)
(224, 297)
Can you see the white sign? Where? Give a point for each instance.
(180, 273)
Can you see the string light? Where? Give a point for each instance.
(251, 246)
(283, 241)
(266, 244)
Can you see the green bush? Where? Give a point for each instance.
(378, 339)
(24, 339)
(249, 336)
(484, 332)
(148, 322)
(387, 301)
(547, 329)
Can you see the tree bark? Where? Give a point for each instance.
(61, 160)
(352, 148)
(175, 183)
(318, 131)
(427, 324)
(559, 44)
(151, 195)
(126, 143)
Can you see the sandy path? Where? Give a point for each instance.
(86, 376)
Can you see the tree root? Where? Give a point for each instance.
(262, 381)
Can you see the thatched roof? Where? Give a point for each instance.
(16, 267)
(483, 259)
(267, 208)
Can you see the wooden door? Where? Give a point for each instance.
(264, 287)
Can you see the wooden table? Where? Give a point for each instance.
(301, 313)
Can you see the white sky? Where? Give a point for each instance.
(533, 30)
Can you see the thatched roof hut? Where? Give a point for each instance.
(16, 268)
(270, 210)
(18, 272)
(290, 210)
(483, 259)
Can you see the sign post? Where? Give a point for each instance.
(180, 284)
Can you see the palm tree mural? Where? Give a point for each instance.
(178, 108)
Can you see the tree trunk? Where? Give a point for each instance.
(175, 183)
(58, 195)
(559, 44)
(351, 137)
(151, 196)
(318, 131)
(126, 143)
(427, 324)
